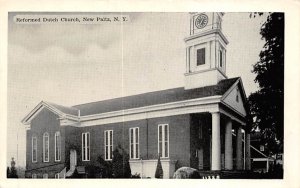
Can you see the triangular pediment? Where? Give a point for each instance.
(235, 98)
(44, 105)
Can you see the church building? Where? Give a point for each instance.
(201, 125)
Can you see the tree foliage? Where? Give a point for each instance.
(159, 173)
(267, 104)
(119, 167)
(12, 171)
(120, 163)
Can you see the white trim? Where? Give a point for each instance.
(70, 120)
(213, 31)
(263, 159)
(56, 176)
(46, 134)
(32, 148)
(59, 146)
(171, 105)
(231, 108)
(230, 89)
(258, 151)
(134, 143)
(184, 109)
(27, 119)
(242, 90)
(163, 140)
(232, 116)
(110, 145)
(85, 147)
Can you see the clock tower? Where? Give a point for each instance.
(205, 50)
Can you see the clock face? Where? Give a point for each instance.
(201, 21)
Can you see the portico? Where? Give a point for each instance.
(224, 139)
(224, 145)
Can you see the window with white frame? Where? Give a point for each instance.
(34, 149)
(108, 144)
(134, 143)
(57, 176)
(57, 145)
(45, 176)
(262, 148)
(163, 140)
(86, 146)
(34, 176)
(200, 56)
(46, 147)
(221, 58)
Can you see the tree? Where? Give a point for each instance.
(120, 163)
(267, 104)
(7, 172)
(12, 172)
(159, 173)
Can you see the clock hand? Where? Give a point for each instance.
(201, 21)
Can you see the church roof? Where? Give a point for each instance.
(134, 101)
(64, 109)
(154, 98)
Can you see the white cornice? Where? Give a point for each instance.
(152, 114)
(27, 119)
(207, 104)
(198, 105)
(201, 71)
(228, 106)
(238, 81)
(213, 31)
(232, 116)
(191, 102)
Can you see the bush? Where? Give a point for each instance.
(119, 167)
(120, 163)
(159, 173)
(136, 176)
(105, 168)
(12, 171)
(186, 173)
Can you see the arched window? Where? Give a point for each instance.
(46, 147)
(34, 149)
(57, 146)
(86, 146)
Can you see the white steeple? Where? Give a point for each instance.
(205, 50)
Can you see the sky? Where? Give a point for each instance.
(71, 64)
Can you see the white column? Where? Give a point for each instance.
(187, 59)
(248, 152)
(228, 146)
(239, 152)
(216, 142)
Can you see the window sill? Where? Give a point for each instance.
(164, 158)
(134, 159)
